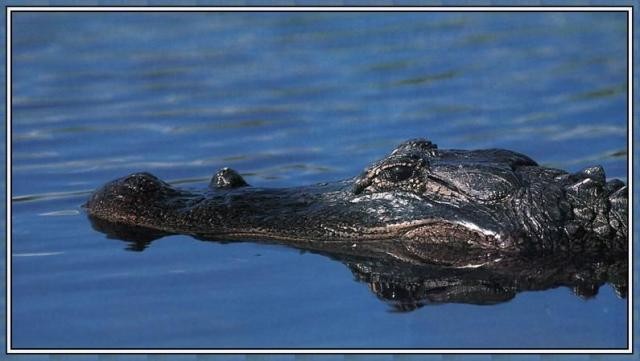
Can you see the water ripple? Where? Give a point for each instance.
(66, 212)
(36, 254)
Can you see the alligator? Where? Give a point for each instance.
(419, 205)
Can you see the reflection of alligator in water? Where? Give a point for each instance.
(419, 205)
(407, 286)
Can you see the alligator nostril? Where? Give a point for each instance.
(142, 182)
(141, 176)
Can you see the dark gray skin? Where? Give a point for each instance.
(418, 205)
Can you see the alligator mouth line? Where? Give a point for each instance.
(436, 231)
(415, 229)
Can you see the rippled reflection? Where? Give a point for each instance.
(406, 286)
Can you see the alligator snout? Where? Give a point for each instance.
(134, 188)
(137, 199)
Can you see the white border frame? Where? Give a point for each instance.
(628, 9)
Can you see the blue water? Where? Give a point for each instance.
(287, 99)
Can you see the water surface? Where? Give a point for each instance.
(287, 99)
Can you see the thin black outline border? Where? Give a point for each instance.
(10, 9)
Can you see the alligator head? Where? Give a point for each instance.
(419, 204)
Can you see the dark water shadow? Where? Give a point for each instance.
(407, 286)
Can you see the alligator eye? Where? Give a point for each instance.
(397, 173)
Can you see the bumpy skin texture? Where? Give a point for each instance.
(418, 205)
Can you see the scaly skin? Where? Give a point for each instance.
(419, 205)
